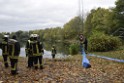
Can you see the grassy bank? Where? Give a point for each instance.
(119, 54)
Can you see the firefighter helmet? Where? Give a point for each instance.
(31, 35)
(6, 36)
(35, 36)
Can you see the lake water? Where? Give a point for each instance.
(47, 54)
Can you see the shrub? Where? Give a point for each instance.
(102, 42)
(74, 49)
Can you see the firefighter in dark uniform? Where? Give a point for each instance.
(37, 49)
(28, 52)
(53, 51)
(83, 42)
(4, 47)
(14, 51)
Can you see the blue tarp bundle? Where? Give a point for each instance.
(85, 61)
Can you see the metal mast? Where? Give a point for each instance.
(81, 15)
(81, 9)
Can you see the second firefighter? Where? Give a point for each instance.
(36, 48)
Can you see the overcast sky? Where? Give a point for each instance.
(39, 14)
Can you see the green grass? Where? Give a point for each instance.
(119, 54)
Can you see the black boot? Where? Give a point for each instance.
(36, 68)
(14, 72)
(41, 67)
(6, 65)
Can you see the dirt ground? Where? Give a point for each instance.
(67, 71)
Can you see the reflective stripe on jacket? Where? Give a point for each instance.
(4, 48)
(35, 48)
(14, 49)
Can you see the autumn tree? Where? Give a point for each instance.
(119, 11)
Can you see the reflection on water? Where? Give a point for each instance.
(22, 52)
(62, 53)
(47, 54)
(62, 48)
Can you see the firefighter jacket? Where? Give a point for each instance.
(14, 49)
(53, 50)
(4, 47)
(36, 48)
(27, 48)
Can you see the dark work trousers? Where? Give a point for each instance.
(13, 66)
(36, 59)
(81, 47)
(5, 58)
(53, 56)
(30, 62)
